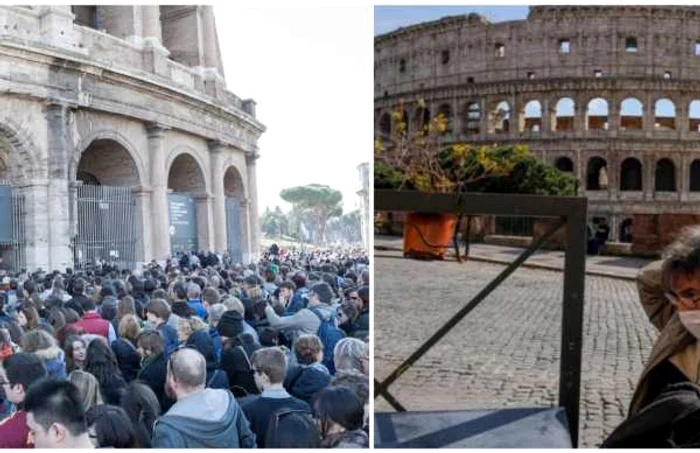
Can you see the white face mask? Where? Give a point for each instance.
(691, 321)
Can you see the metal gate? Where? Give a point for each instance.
(12, 228)
(105, 227)
(233, 230)
(183, 223)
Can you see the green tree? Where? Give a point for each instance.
(274, 223)
(319, 202)
(346, 228)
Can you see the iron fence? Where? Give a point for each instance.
(571, 214)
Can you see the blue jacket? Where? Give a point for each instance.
(169, 334)
(297, 303)
(303, 381)
(199, 310)
(218, 344)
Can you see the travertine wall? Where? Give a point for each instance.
(111, 101)
(511, 82)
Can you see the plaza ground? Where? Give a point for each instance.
(505, 353)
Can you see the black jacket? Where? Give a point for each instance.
(235, 361)
(303, 381)
(153, 374)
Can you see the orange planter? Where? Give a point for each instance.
(428, 235)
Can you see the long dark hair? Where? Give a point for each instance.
(101, 362)
(292, 429)
(339, 405)
(68, 349)
(143, 408)
(112, 426)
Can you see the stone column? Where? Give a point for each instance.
(219, 212)
(649, 119)
(159, 194)
(613, 117)
(209, 38)
(204, 203)
(254, 222)
(36, 218)
(143, 224)
(60, 255)
(150, 19)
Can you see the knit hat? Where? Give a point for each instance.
(324, 292)
(230, 325)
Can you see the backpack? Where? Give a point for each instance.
(671, 420)
(329, 335)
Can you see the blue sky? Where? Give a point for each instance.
(389, 18)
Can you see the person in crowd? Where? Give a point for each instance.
(238, 347)
(75, 349)
(125, 307)
(56, 319)
(88, 388)
(669, 292)
(101, 363)
(340, 415)
(345, 316)
(270, 367)
(188, 326)
(216, 377)
(292, 429)
(27, 317)
(210, 297)
(124, 347)
(359, 384)
(201, 418)
(79, 297)
(141, 405)
(309, 375)
(46, 348)
(235, 304)
(154, 366)
(93, 323)
(194, 302)
(55, 415)
(351, 355)
(157, 314)
(110, 427)
(362, 322)
(307, 320)
(17, 373)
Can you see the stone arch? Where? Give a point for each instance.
(500, 118)
(107, 162)
(191, 154)
(19, 148)
(113, 136)
(664, 114)
(631, 175)
(446, 111)
(230, 164)
(631, 114)
(385, 124)
(564, 114)
(564, 163)
(471, 118)
(694, 115)
(531, 117)
(234, 184)
(597, 114)
(595, 169)
(625, 230)
(665, 176)
(694, 176)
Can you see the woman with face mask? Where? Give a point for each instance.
(670, 294)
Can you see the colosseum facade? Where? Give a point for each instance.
(119, 140)
(609, 93)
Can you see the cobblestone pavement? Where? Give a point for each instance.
(505, 353)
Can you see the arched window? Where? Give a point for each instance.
(385, 125)
(665, 176)
(532, 117)
(596, 174)
(665, 115)
(625, 230)
(471, 119)
(695, 176)
(501, 118)
(597, 114)
(631, 114)
(445, 110)
(631, 174)
(564, 115)
(564, 164)
(694, 116)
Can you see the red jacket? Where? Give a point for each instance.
(94, 324)
(14, 432)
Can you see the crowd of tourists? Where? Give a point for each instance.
(195, 352)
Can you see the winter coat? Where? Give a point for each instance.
(128, 358)
(673, 339)
(208, 419)
(54, 360)
(235, 361)
(303, 322)
(170, 338)
(202, 342)
(153, 373)
(303, 381)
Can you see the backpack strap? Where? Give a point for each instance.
(296, 377)
(317, 313)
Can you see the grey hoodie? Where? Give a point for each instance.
(302, 322)
(210, 418)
